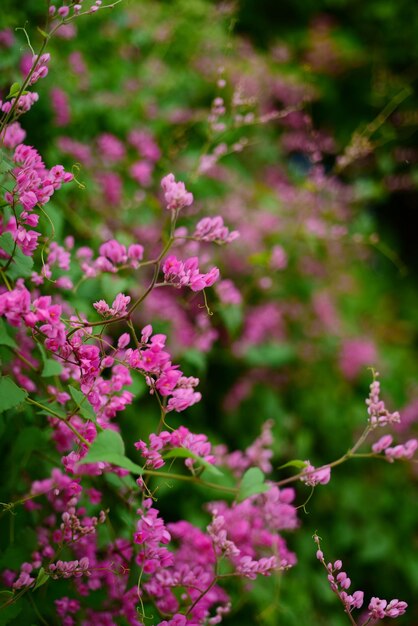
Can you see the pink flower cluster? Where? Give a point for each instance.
(13, 135)
(340, 583)
(58, 257)
(21, 105)
(244, 531)
(379, 609)
(111, 148)
(378, 413)
(150, 533)
(118, 308)
(190, 568)
(40, 65)
(145, 144)
(313, 477)
(355, 355)
(35, 184)
(175, 194)
(113, 257)
(61, 107)
(187, 274)
(161, 375)
(258, 454)
(400, 452)
(69, 569)
(213, 229)
(179, 438)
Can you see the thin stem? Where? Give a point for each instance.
(350, 454)
(203, 593)
(62, 419)
(191, 479)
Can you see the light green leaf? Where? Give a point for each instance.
(252, 483)
(51, 368)
(42, 578)
(82, 403)
(188, 454)
(10, 394)
(108, 447)
(21, 266)
(14, 90)
(270, 354)
(295, 463)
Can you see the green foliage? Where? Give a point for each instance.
(252, 483)
(109, 448)
(21, 265)
(10, 394)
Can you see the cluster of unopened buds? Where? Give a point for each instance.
(340, 583)
(218, 110)
(69, 569)
(403, 451)
(21, 105)
(64, 10)
(378, 413)
(213, 229)
(155, 362)
(113, 256)
(118, 308)
(179, 438)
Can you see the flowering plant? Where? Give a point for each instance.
(120, 286)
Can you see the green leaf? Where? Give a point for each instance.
(188, 454)
(5, 339)
(29, 439)
(10, 394)
(270, 354)
(41, 579)
(21, 266)
(108, 447)
(9, 613)
(196, 359)
(82, 403)
(252, 483)
(295, 463)
(51, 368)
(5, 595)
(232, 317)
(14, 90)
(42, 32)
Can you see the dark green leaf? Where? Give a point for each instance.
(9, 613)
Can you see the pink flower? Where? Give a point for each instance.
(175, 194)
(313, 477)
